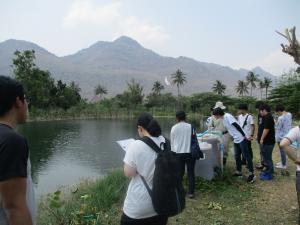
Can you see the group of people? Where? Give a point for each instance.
(17, 203)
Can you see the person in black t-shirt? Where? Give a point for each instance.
(266, 139)
(17, 204)
(258, 104)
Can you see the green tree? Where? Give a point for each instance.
(178, 79)
(219, 87)
(100, 90)
(242, 88)
(251, 79)
(157, 88)
(261, 86)
(267, 85)
(132, 96)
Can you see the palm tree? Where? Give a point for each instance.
(100, 90)
(242, 88)
(157, 88)
(251, 79)
(219, 87)
(178, 79)
(267, 84)
(261, 86)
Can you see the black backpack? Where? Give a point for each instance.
(167, 194)
(195, 148)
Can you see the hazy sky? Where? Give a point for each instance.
(235, 33)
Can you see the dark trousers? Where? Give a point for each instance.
(239, 150)
(186, 159)
(155, 220)
(250, 151)
(298, 193)
(267, 151)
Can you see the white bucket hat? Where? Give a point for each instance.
(219, 105)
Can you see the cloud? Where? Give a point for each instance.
(275, 62)
(108, 20)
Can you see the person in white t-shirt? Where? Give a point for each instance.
(240, 143)
(140, 160)
(293, 135)
(247, 124)
(180, 136)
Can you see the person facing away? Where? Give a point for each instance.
(283, 126)
(218, 125)
(289, 138)
(266, 140)
(139, 161)
(17, 203)
(240, 143)
(247, 124)
(180, 136)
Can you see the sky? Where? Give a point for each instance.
(235, 33)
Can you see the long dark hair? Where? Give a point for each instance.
(150, 124)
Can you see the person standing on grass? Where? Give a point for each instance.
(258, 104)
(240, 143)
(266, 139)
(180, 138)
(293, 135)
(17, 203)
(217, 125)
(246, 122)
(140, 161)
(283, 126)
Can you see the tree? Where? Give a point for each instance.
(267, 85)
(100, 90)
(157, 88)
(251, 79)
(178, 79)
(261, 85)
(242, 88)
(293, 48)
(132, 96)
(219, 87)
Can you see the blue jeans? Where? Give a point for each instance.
(283, 155)
(242, 149)
(267, 151)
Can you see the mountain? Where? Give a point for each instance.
(113, 64)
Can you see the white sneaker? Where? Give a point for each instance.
(280, 166)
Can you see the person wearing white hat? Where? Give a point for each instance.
(217, 125)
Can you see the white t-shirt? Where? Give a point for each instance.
(181, 137)
(294, 135)
(228, 120)
(138, 203)
(249, 123)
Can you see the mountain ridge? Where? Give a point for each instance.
(113, 64)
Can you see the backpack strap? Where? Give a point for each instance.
(245, 122)
(146, 185)
(148, 141)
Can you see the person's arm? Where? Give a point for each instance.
(13, 193)
(264, 134)
(129, 171)
(252, 130)
(285, 142)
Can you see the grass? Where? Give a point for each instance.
(223, 201)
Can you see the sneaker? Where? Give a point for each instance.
(251, 178)
(237, 174)
(266, 177)
(280, 166)
(191, 196)
(259, 167)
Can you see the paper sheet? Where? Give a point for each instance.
(125, 143)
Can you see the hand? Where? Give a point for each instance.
(297, 161)
(261, 141)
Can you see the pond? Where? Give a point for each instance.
(64, 152)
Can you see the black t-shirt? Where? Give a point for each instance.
(267, 122)
(13, 154)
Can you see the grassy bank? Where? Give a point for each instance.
(223, 201)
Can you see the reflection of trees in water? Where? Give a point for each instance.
(41, 137)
